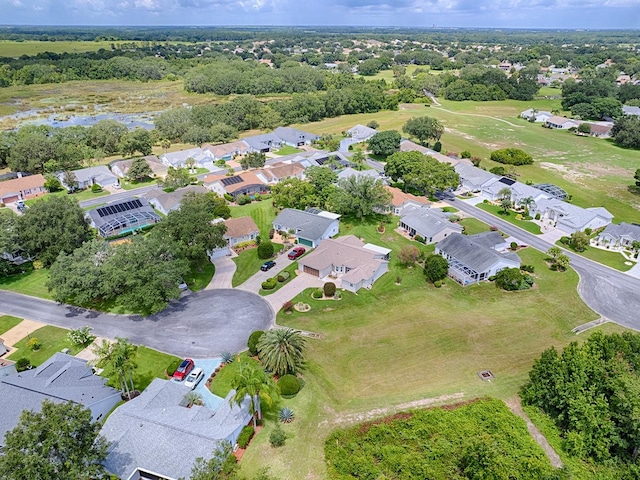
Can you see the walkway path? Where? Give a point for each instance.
(586, 326)
(291, 289)
(516, 407)
(87, 354)
(17, 333)
(225, 268)
(479, 115)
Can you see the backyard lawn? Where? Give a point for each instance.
(7, 322)
(402, 343)
(510, 217)
(52, 339)
(262, 213)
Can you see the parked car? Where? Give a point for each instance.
(296, 252)
(269, 264)
(194, 378)
(183, 370)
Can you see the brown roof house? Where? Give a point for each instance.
(226, 151)
(246, 183)
(165, 202)
(239, 230)
(349, 260)
(401, 200)
(22, 188)
(279, 171)
(121, 167)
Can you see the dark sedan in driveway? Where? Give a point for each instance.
(267, 265)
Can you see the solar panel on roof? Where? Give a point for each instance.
(231, 181)
(507, 181)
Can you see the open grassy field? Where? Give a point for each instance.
(404, 343)
(10, 48)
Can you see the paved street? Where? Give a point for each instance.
(611, 293)
(200, 325)
(121, 195)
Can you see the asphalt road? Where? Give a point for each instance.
(198, 325)
(116, 196)
(611, 293)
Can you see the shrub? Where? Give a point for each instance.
(228, 198)
(317, 293)
(514, 245)
(287, 306)
(373, 124)
(277, 437)
(510, 279)
(437, 146)
(257, 197)
(465, 154)
(497, 170)
(435, 268)
(252, 343)
(527, 268)
(243, 199)
(171, 368)
(271, 233)
(95, 188)
(227, 358)
(81, 336)
(493, 228)
(286, 415)
(329, 289)
(283, 276)
(420, 239)
(23, 364)
(245, 436)
(565, 240)
(289, 385)
(475, 161)
(511, 156)
(34, 344)
(588, 231)
(269, 283)
(437, 284)
(537, 216)
(265, 250)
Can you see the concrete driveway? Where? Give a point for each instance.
(200, 325)
(254, 283)
(225, 268)
(291, 289)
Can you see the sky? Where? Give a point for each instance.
(570, 14)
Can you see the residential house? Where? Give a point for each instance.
(157, 436)
(294, 137)
(351, 172)
(165, 202)
(429, 223)
(227, 151)
(310, 226)
(21, 188)
(627, 110)
(357, 134)
(276, 172)
(86, 177)
(474, 178)
(600, 130)
(241, 229)
(122, 216)
(7, 367)
(401, 201)
(180, 159)
(349, 260)
(60, 379)
(519, 191)
(263, 143)
(561, 123)
(623, 78)
(538, 116)
(471, 260)
(121, 167)
(245, 183)
(493, 240)
(409, 146)
(571, 218)
(619, 235)
(3, 348)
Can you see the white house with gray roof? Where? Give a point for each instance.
(629, 110)
(156, 433)
(472, 258)
(429, 223)
(519, 191)
(571, 218)
(310, 227)
(60, 379)
(202, 158)
(474, 178)
(294, 137)
(263, 143)
(538, 116)
(86, 177)
(357, 134)
(619, 235)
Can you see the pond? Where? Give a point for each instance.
(59, 119)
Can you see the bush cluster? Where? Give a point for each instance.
(171, 368)
(265, 250)
(329, 289)
(270, 283)
(245, 436)
(283, 276)
(527, 268)
(252, 343)
(277, 437)
(317, 294)
(289, 385)
(23, 364)
(511, 156)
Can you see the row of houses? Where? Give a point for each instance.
(155, 435)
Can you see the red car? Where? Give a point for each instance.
(183, 370)
(296, 252)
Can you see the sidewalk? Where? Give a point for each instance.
(87, 354)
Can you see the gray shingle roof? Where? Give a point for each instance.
(60, 379)
(293, 135)
(428, 222)
(474, 175)
(155, 433)
(261, 142)
(307, 225)
(622, 229)
(472, 253)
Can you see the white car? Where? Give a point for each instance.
(194, 378)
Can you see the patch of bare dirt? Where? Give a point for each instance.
(600, 169)
(566, 172)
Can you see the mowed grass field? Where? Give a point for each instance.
(594, 171)
(398, 344)
(13, 49)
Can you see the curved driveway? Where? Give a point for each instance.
(611, 293)
(199, 325)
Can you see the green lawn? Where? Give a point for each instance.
(7, 322)
(473, 225)
(197, 280)
(79, 196)
(527, 225)
(401, 343)
(248, 263)
(292, 274)
(606, 257)
(287, 150)
(130, 185)
(32, 282)
(53, 339)
(11, 48)
(221, 384)
(150, 364)
(262, 213)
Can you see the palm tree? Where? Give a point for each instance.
(358, 159)
(285, 236)
(190, 163)
(282, 350)
(119, 357)
(526, 203)
(505, 198)
(253, 382)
